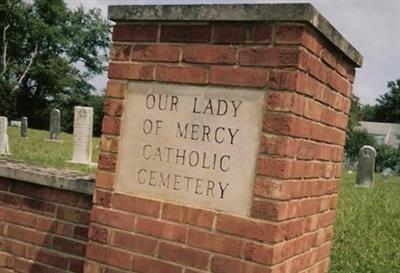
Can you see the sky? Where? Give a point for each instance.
(371, 26)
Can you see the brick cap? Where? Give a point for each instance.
(54, 178)
(298, 12)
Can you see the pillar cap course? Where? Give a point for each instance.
(297, 12)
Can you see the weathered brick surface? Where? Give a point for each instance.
(308, 87)
(42, 229)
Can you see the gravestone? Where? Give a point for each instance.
(366, 166)
(55, 125)
(15, 123)
(83, 131)
(24, 127)
(4, 146)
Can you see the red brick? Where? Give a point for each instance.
(108, 255)
(262, 231)
(251, 77)
(182, 74)
(214, 242)
(76, 265)
(285, 102)
(129, 71)
(105, 179)
(19, 217)
(111, 125)
(14, 247)
(141, 244)
(161, 229)
(107, 162)
(191, 216)
(158, 53)
(210, 54)
(275, 167)
(112, 218)
(221, 264)
(183, 255)
(297, 34)
(185, 33)
(81, 233)
(6, 260)
(109, 143)
(98, 234)
(102, 198)
(259, 253)
(69, 246)
(314, 66)
(261, 33)
(142, 264)
(278, 145)
(327, 219)
(116, 89)
(283, 80)
(50, 258)
(312, 110)
(137, 33)
(38, 206)
(136, 205)
(269, 210)
(259, 56)
(92, 267)
(120, 52)
(27, 235)
(113, 107)
(329, 58)
(229, 33)
(73, 215)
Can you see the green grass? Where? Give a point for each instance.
(36, 150)
(367, 231)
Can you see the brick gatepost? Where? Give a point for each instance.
(305, 70)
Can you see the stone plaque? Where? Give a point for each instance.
(83, 131)
(192, 145)
(366, 166)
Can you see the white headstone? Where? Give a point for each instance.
(4, 148)
(366, 166)
(83, 131)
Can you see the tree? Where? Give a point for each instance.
(388, 104)
(48, 55)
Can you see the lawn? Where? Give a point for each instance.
(35, 149)
(367, 232)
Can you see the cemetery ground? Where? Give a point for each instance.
(367, 225)
(36, 149)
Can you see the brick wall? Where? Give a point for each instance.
(308, 83)
(42, 229)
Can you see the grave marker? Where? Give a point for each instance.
(55, 124)
(24, 127)
(366, 166)
(4, 145)
(83, 131)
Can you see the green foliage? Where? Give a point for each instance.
(36, 150)
(387, 157)
(357, 138)
(367, 112)
(55, 41)
(367, 227)
(388, 106)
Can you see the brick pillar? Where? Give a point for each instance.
(305, 69)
